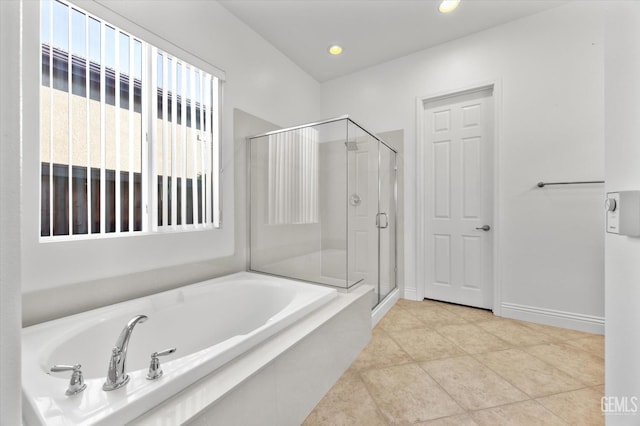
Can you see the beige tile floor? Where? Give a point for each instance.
(432, 363)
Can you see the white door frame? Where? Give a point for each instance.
(421, 209)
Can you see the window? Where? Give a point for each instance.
(128, 133)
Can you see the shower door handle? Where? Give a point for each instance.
(386, 220)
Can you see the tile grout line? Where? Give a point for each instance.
(563, 370)
(472, 353)
(445, 391)
(378, 410)
(577, 390)
(584, 385)
(520, 402)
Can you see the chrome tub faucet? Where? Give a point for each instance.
(116, 375)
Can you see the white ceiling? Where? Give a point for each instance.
(370, 31)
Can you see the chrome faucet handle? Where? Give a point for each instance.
(155, 371)
(76, 384)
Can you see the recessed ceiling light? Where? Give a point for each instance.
(335, 49)
(448, 5)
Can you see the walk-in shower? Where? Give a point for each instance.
(323, 208)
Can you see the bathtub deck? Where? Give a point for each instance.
(316, 351)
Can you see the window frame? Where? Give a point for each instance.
(149, 211)
(114, 263)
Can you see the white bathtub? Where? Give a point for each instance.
(209, 323)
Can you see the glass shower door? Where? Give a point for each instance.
(371, 212)
(362, 206)
(386, 221)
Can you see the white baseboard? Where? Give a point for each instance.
(411, 293)
(384, 306)
(581, 322)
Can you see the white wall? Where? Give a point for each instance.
(260, 80)
(10, 389)
(549, 67)
(622, 254)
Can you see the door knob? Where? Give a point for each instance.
(484, 228)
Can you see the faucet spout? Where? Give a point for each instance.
(123, 340)
(116, 374)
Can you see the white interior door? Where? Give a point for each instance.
(458, 137)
